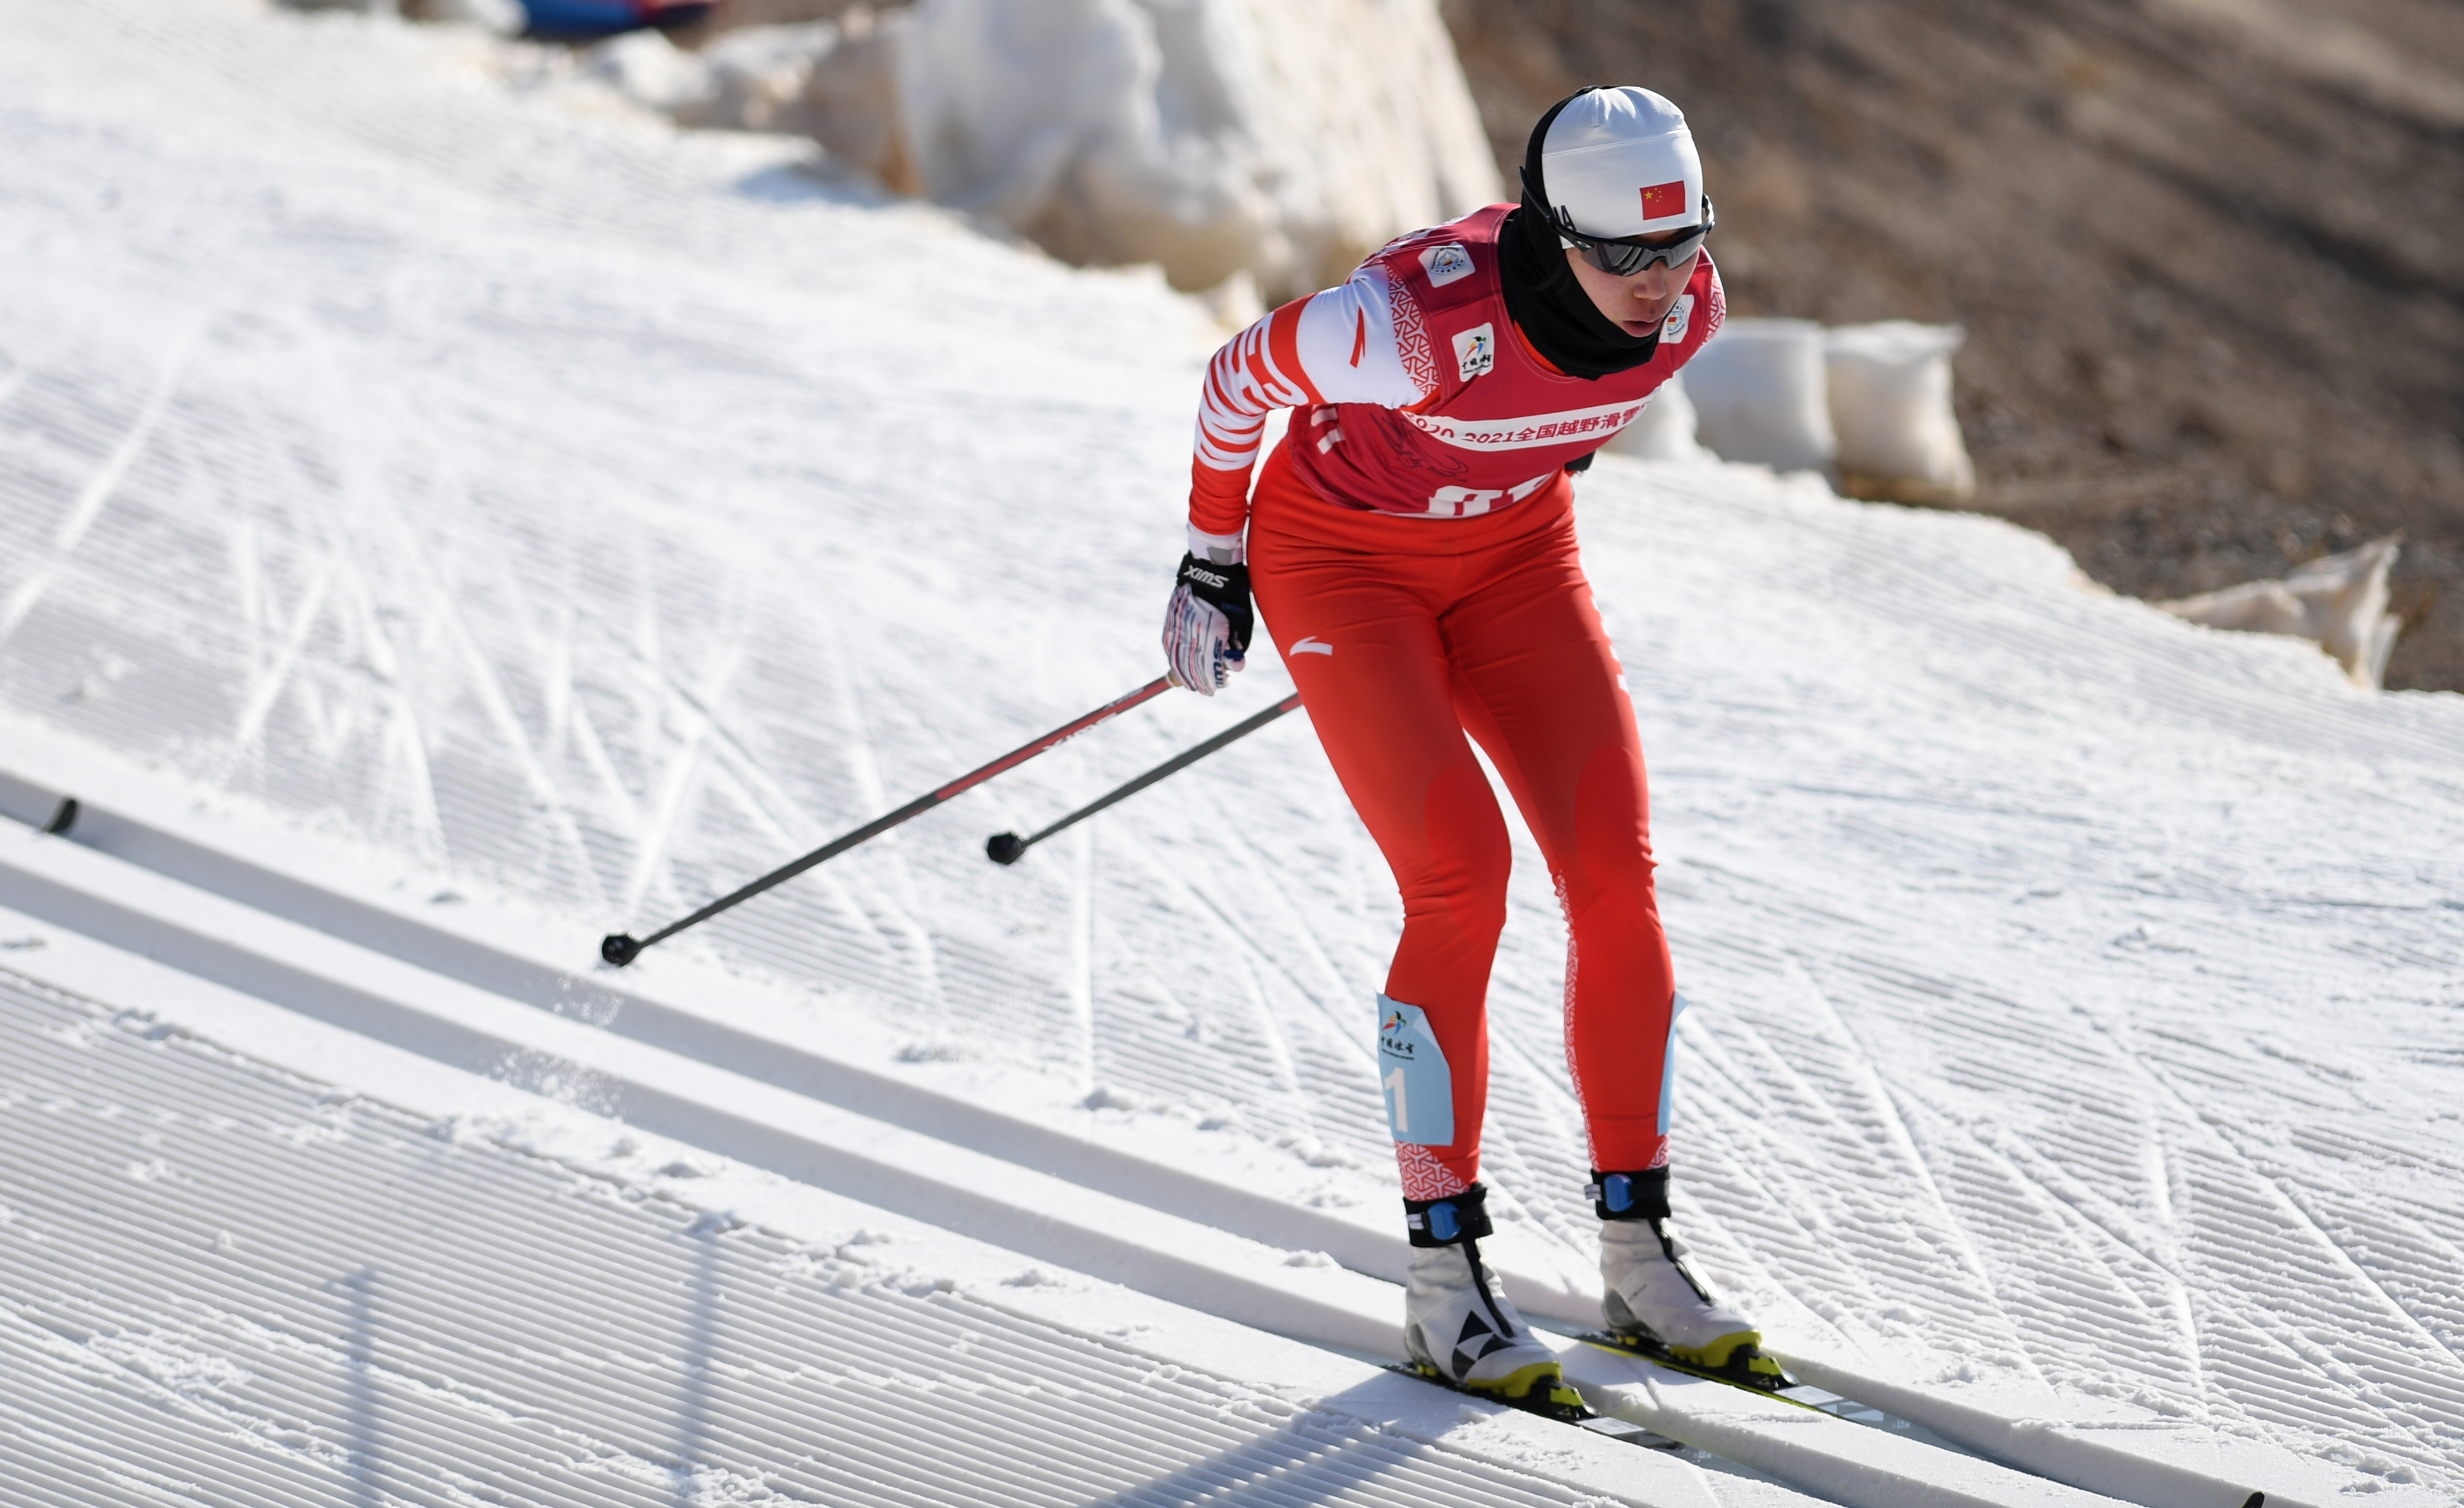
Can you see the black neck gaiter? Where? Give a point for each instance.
(1547, 303)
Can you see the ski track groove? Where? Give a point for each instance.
(549, 1389)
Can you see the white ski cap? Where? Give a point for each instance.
(1620, 162)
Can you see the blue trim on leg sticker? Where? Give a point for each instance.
(1419, 1091)
(1668, 1062)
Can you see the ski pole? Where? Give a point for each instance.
(1009, 847)
(623, 947)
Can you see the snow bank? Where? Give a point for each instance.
(1759, 394)
(1889, 400)
(1286, 138)
(1267, 138)
(835, 81)
(2339, 602)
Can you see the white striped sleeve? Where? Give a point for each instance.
(1333, 347)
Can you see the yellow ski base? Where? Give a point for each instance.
(1539, 1389)
(1736, 1359)
(1721, 1355)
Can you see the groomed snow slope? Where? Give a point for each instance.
(229, 1285)
(504, 500)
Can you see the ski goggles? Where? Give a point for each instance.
(1623, 259)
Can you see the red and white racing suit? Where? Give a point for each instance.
(1412, 547)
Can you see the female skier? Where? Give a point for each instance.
(1412, 544)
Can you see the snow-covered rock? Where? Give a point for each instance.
(1889, 397)
(2339, 602)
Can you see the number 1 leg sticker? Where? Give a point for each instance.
(1419, 1091)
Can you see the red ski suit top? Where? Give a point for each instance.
(1412, 547)
(1422, 397)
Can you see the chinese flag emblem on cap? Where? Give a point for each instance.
(1659, 200)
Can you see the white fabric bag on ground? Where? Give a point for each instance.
(1890, 406)
(1664, 429)
(2339, 602)
(1758, 389)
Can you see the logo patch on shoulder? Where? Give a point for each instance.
(1674, 327)
(1446, 263)
(1475, 351)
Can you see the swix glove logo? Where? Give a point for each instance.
(1194, 571)
(1673, 328)
(1446, 263)
(1475, 351)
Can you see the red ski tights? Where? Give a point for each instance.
(1404, 635)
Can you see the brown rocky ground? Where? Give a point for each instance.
(2210, 253)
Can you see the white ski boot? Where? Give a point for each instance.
(1653, 1302)
(1459, 1327)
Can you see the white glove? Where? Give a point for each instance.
(1207, 624)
